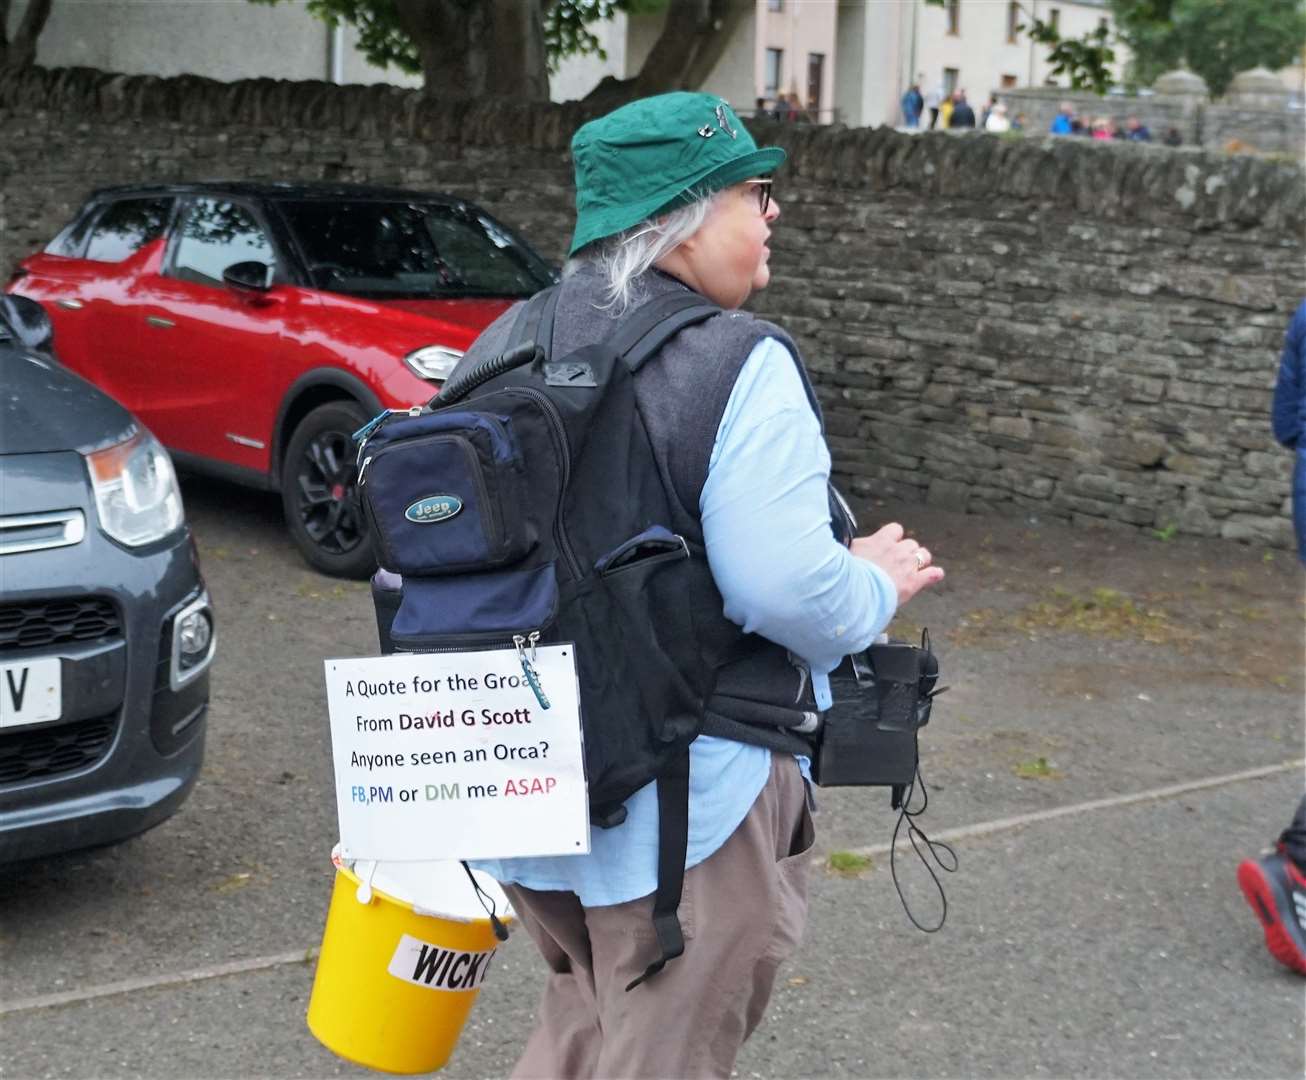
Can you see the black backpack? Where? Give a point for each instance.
(554, 527)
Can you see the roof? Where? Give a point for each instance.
(276, 190)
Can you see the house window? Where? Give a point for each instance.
(954, 16)
(1054, 20)
(815, 76)
(775, 5)
(951, 76)
(1009, 82)
(1013, 22)
(774, 67)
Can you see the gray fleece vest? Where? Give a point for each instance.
(682, 394)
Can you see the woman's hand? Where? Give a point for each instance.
(908, 565)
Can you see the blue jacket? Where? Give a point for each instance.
(1288, 414)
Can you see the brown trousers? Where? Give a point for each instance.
(743, 912)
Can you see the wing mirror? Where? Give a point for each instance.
(251, 276)
(27, 320)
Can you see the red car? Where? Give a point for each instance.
(254, 327)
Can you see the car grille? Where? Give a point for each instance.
(56, 622)
(36, 753)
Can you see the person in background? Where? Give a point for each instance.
(760, 110)
(1173, 138)
(933, 100)
(1275, 885)
(945, 112)
(987, 111)
(1288, 416)
(1136, 131)
(783, 110)
(1063, 122)
(1102, 129)
(1020, 122)
(963, 116)
(997, 120)
(912, 104)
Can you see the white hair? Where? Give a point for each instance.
(620, 259)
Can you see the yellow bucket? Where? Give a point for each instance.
(403, 957)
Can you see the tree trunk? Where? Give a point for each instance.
(471, 48)
(693, 38)
(21, 51)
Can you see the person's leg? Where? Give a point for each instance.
(1275, 887)
(742, 911)
(1299, 504)
(566, 1038)
(1293, 838)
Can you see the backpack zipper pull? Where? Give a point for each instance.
(528, 669)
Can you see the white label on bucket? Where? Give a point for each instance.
(424, 964)
(453, 756)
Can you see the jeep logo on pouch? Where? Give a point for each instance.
(433, 509)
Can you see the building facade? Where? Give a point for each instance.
(977, 46)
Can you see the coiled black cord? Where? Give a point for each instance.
(459, 387)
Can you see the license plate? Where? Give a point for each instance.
(30, 692)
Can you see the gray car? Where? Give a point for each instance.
(106, 632)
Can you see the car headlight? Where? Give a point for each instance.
(433, 362)
(136, 490)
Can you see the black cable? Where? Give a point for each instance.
(932, 846)
(487, 902)
(460, 386)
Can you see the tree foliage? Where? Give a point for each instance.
(472, 47)
(1214, 38)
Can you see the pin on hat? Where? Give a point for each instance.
(653, 155)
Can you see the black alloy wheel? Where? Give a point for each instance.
(319, 492)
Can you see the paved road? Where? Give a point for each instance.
(1094, 928)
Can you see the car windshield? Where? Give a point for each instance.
(385, 250)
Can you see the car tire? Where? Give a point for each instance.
(318, 492)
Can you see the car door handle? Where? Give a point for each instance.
(163, 324)
(70, 305)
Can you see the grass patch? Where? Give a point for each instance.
(1038, 769)
(849, 863)
(1101, 612)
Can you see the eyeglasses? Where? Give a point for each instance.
(762, 188)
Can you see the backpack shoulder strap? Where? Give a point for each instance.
(534, 322)
(652, 325)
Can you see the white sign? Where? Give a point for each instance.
(453, 756)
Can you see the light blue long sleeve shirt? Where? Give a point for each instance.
(766, 523)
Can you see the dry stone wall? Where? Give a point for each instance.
(1077, 332)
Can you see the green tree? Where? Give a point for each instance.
(507, 47)
(1215, 38)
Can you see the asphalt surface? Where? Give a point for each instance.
(1125, 724)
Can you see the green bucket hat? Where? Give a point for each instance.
(646, 157)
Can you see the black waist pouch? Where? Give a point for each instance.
(872, 741)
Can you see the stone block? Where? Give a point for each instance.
(1014, 427)
(948, 494)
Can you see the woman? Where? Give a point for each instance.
(673, 196)
(1288, 416)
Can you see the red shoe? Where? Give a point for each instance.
(1276, 890)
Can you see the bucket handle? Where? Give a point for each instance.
(365, 870)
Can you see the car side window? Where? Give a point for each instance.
(478, 254)
(217, 234)
(125, 227)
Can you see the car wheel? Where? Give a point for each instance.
(318, 492)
